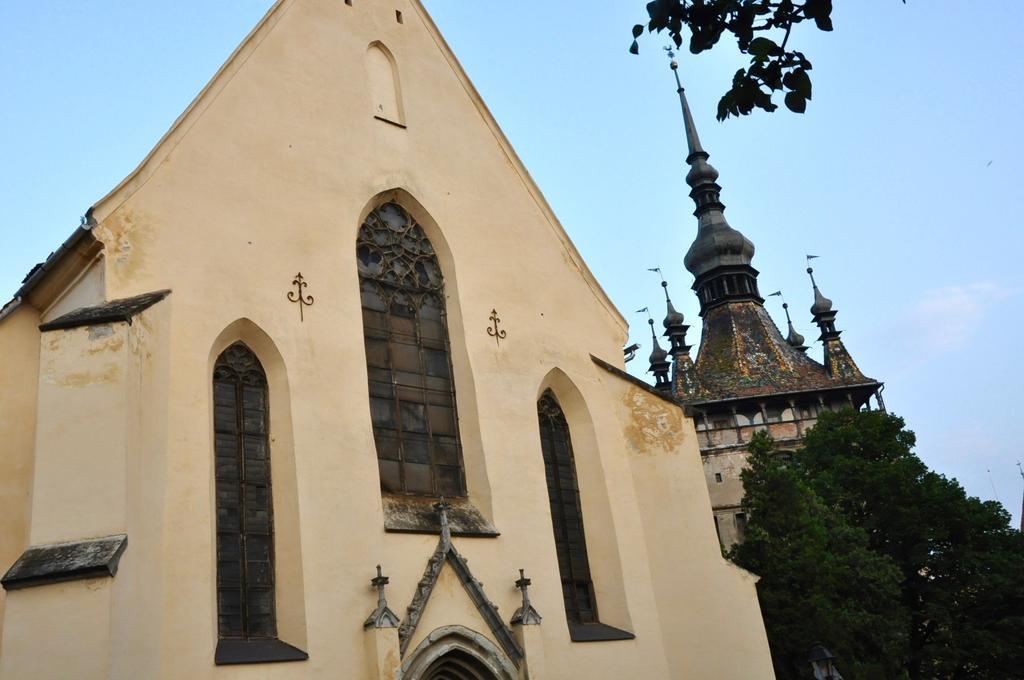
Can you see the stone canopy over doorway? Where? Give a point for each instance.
(457, 653)
(458, 665)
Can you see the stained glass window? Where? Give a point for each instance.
(245, 520)
(566, 513)
(408, 358)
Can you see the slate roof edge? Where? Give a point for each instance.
(618, 372)
(39, 271)
(697, 403)
(112, 311)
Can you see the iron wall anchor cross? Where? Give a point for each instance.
(297, 295)
(493, 330)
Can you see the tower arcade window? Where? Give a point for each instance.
(566, 513)
(245, 524)
(408, 358)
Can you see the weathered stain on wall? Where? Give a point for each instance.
(92, 362)
(125, 237)
(85, 378)
(656, 426)
(103, 339)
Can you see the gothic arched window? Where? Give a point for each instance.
(245, 524)
(408, 362)
(566, 514)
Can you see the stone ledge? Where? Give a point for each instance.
(256, 651)
(597, 632)
(56, 562)
(416, 515)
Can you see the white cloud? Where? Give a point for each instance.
(959, 311)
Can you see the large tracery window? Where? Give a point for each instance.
(245, 525)
(412, 393)
(566, 514)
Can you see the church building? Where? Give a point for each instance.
(746, 377)
(323, 389)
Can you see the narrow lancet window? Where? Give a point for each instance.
(385, 94)
(566, 514)
(412, 393)
(245, 525)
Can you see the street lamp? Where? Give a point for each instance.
(822, 661)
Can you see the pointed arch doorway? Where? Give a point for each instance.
(458, 665)
(457, 653)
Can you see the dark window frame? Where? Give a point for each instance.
(567, 522)
(566, 510)
(408, 353)
(241, 448)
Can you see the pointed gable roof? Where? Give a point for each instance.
(145, 170)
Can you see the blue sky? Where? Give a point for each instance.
(903, 175)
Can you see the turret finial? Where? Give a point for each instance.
(821, 304)
(660, 365)
(692, 139)
(674, 323)
(793, 339)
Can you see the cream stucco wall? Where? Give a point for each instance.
(19, 347)
(87, 288)
(271, 173)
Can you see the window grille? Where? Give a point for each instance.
(245, 524)
(566, 513)
(408, 357)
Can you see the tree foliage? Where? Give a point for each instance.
(762, 29)
(819, 579)
(960, 599)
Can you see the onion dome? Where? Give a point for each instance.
(717, 243)
(672, 317)
(793, 339)
(821, 304)
(658, 355)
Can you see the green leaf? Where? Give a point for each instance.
(798, 81)
(638, 30)
(762, 48)
(795, 102)
(634, 48)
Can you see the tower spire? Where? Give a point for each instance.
(822, 312)
(692, 139)
(838, 362)
(684, 381)
(720, 256)
(659, 358)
